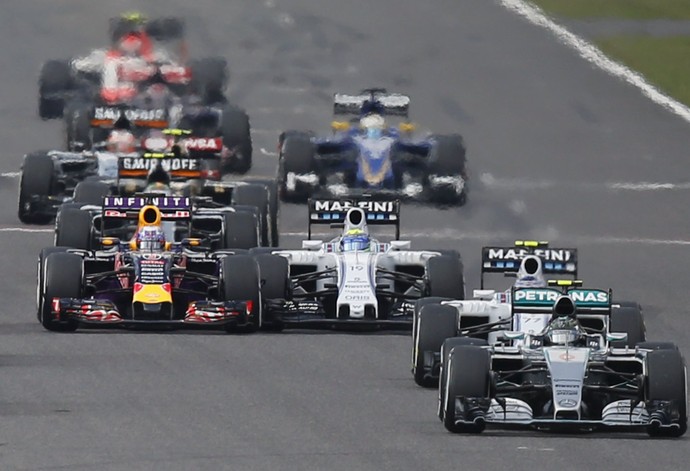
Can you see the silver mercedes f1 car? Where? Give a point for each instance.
(566, 376)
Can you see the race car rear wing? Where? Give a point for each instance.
(374, 100)
(541, 300)
(127, 207)
(555, 261)
(334, 212)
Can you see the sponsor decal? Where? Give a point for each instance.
(567, 403)
(137, 202)
(204, 143)
(113, 114)
(553, 255)
(169, 165)
(582, 297)
(369, 206)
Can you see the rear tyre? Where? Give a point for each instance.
(240, 230)
(436, 323)
(73, 229)
(63, 278)
(666, 381)
(297, 152)
(256, 196)
(627, 320)
(448, 158)
(166, 29)
(54, 80)
(36, 180)
(78, 126)
(468, 376)
(91, 192)
(240, 281)
(209, 78)
(445, 277)
(236, 133)
(273, 210)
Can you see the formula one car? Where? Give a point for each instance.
(219, 227)
(567, 376)
(142, 79)
(177, 160)
(368, 157)
(354, 280)
(148, 281)
(527, 261)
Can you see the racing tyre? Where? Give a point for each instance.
(73, 228)
(445, 278)
(436, 323)
(448, 345)
(236, 133)
(666, 381)
(209, 78)
(78, 127)
(629, 320)
(448, 159)
(258, 197)
(54, 80)
(275, 283)
(297, 154)
(91, 192)
(418, 305)
(273, 210)
(36, 180)
(40, 273)
(240, 230)
(240, 281)
(468, 376)
(63, 278)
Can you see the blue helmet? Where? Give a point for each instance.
(150, 239)
(355, 240)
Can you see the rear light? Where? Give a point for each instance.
(56, 305)
(138, 287)
(210, 174)
(250, 307)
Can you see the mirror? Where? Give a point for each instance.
(616, 337)
(312, 244)
(109, 241)
(514, 335)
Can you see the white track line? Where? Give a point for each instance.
(501, 183)
(10, 174)
(268, 152)
(24, 229)
(452, 235)
(594, 55)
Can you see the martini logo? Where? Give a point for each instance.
(369, 206)
(552, 255)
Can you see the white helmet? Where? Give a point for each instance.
(373, 125)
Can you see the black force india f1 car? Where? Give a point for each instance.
(571, 374)
(148, 280)
(366, 155)
(354, 280)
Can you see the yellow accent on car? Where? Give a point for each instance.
(152, 294)
(176, 132)
(340, 125)
(407, 127)
(531, 243)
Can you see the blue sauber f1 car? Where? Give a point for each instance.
(367, 155)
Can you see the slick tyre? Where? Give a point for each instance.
(446, 348)
(297, 155)
(236, 132)
(240, 230)
(40, 274)
(78, 127)
(240, 281)
(91, 192)
(258, 197)
(627, 320)
(273, 211)
(54, 80)
(36, 180)
(209, 78)
(418, 305)
(63, 278)
(275, 284)
(468, 376)
(666, 381)
(445, 277)
(73, 228)
(436, 323)
(448, 158)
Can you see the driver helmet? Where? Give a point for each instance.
(131, 45)
(373, 125)
(121, 141)
(150, 239)
(355, 240)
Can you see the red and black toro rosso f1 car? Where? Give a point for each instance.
(147, 280)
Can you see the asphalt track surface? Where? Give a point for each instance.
(550, 139)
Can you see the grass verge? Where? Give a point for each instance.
(623, 9)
